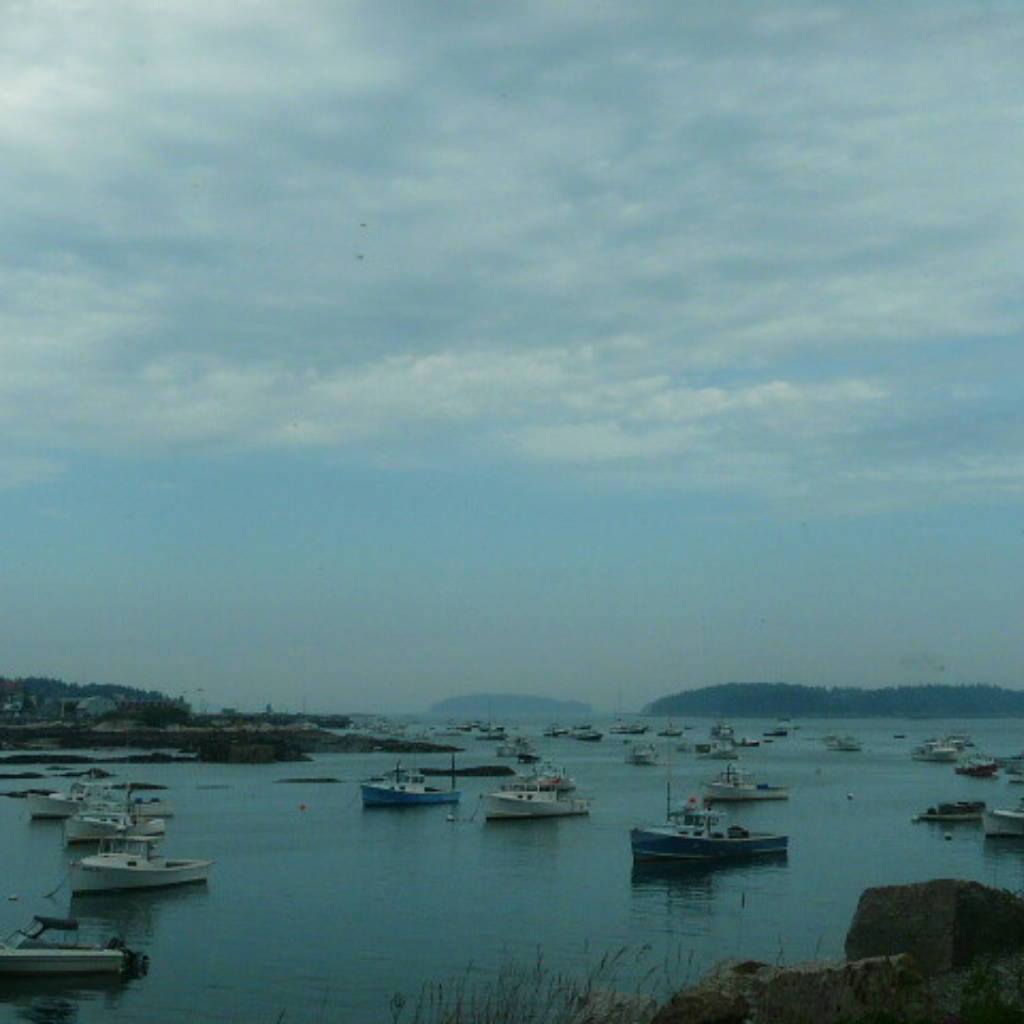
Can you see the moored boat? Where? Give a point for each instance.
(57, 804)
(553, 775)
(955, 810)
(532, 797)
(130, 862)
(699, 833)
(843, 744)
(978, 766)
(31, 951)
(622, 728)
(723, 749)
(735, 784)
(92, 826)
(937, 750)
(401, 787)
(1004, 821)
(643, 754)
(555, 730)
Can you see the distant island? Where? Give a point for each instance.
(500, 705)
(758, 700)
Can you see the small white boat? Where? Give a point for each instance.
(843, 744)
(82, 793)
(56, 804)
(938, 750)
(90, 826)
(643, 754)
(718, 750)
(552, 775)
(519, 747)
(1004, 821)
(32, 952)
(130, 862)
(532, 798)
(622, 728)
(735, 784)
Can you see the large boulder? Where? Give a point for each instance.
(750, 992)
(945, 924)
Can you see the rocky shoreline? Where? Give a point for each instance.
(242, 744)
(914, 953)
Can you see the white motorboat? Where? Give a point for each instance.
(64, 804)
(90, 826)
(554, 775)
(130, 862)
(843, 744)
(735, 784)
(723, 749)
(56, 804)
(31, 952)
(532, 797)
(643, 754)
(1004, 821)
(939, 750)
(622, 728)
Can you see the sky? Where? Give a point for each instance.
(355, 355)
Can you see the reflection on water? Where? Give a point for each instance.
(695, 880)
(58, 1000)
(130, 913)
(1003, 849)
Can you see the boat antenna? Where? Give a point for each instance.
(453, 770)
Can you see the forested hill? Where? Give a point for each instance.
(43, 689)
(787, 699)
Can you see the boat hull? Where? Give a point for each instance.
(665, 843)
(379, 796)
(25, 963)
(89, 830)
(1003, 823)
(724, 793)
(100, 877)
(498, 807)
(60, 805)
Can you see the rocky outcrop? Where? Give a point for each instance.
(945, 924)
(912, 953)
(751, 992)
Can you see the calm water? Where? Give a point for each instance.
(320, 911)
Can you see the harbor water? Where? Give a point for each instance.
(319, 911)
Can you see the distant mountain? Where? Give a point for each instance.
(787, 699)
(499, 705)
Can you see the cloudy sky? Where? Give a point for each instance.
(355, 354)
